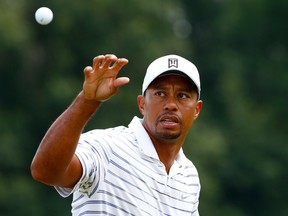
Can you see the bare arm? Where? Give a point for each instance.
(55, 162)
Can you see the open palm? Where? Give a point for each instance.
(101, 81)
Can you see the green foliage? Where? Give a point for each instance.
(239, 47)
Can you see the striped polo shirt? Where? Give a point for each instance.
(122, 175)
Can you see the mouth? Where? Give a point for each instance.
(168, 120)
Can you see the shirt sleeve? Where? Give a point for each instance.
(93, 153)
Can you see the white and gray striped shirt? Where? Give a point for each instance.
(122, 175)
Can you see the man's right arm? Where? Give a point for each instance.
(55, 162)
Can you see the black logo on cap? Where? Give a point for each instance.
(172, 62)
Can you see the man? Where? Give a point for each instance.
(135, 170)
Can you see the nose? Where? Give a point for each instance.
(171, 104)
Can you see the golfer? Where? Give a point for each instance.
(139, 169)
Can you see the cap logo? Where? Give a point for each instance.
(172, 62)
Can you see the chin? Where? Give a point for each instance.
(168, 135)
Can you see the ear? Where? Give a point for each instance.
(140, 100)
(198, 109)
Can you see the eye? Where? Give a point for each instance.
(183, 95)
(160, 93)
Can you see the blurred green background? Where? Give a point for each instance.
(239, 142)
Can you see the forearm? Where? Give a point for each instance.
(55, 162)
(57, 148)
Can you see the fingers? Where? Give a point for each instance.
(87, 71)
(98, 60)
(109, 61)
(120, 63)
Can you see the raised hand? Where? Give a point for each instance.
(101, 81)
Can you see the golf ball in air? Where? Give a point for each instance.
(44, 16)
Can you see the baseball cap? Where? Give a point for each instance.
(171, 63)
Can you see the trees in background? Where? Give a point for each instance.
(239, 47)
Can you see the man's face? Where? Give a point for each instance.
(169, 107)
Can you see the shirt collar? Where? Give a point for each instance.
(145, 143)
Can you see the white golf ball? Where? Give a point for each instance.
(44, 16)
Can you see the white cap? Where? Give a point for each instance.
(171, 63)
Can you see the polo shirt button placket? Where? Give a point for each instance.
(166, 191)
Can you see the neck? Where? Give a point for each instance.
(167, 152)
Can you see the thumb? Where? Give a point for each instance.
(121, 81)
